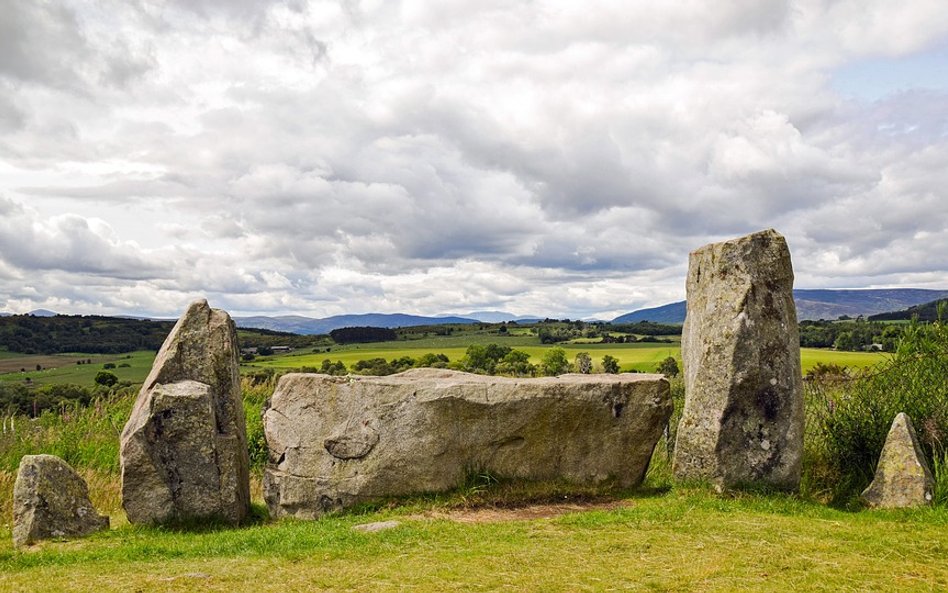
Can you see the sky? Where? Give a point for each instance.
(536, 157)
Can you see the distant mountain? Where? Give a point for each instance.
(499, 316)
(42, 313)
(309, 326)
(815, 304)
(671, 313)
(830, 304)
(925, 312)
(5, 314)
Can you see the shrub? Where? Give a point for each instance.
(554, 362)
(106, 378)
(668, 367)
(848, 418)
(610, 364)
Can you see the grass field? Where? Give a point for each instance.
(67, 371)
(675, 540)
(638, 356)
(641, 357)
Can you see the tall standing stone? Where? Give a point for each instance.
(742, 423)
(184, 448)
(902, 477)
(50, 500)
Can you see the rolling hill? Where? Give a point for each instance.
(309, 326)
(815, 304)
(924, 312)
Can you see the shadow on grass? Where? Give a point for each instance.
(259, 515)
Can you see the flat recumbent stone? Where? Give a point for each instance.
(338, 441)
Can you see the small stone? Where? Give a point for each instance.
(50, 500)
(902, 478)
(377, 526)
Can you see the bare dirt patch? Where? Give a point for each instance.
(521, 513)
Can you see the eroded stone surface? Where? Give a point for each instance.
(337, 441)
(184, 448)
(902, 478)
(742, 423)
(50, 500)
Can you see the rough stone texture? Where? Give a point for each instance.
(184, 448)
(337, 441)
(902, 478)
(376, 527)
(50, 501)
(742, 423)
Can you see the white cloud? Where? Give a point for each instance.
(545, 157)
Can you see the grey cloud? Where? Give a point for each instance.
(431, 157)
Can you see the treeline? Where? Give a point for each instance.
(16, 398)
(489, 359)
(932, 311)
(854, 335)
(362, 335)
(76, 333)
(551, 331)
(268, 338)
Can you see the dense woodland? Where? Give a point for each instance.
(27, 334)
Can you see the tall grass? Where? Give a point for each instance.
(848, 418)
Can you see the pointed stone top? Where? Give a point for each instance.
(902, 478)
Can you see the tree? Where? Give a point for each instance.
(516, 363)
(668, 367)
(554, 362)
(610, 364)
(106, 378)
(584, 363)
(329, 367)
(432, 360)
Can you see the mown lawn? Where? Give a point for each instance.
(679, 540)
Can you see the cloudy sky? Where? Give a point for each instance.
(534, 156)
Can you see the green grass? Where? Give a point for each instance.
(637, 356)
(682, 540)
(139, 364)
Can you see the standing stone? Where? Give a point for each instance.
(50, 501)
(339, 441)
(184, 448)
(902, 478)
(742, 423)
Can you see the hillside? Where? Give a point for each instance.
(815, 304)
(924, 312)
(60, 334)
(671, 313)
(309, 326)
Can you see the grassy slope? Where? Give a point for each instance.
(683, 540)
(139, 365)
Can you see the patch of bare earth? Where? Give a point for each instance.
(521, 513)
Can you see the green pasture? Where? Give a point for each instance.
(637, 356)
(139, 364)
(642, 357)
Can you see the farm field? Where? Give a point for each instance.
(62, 368)
(642, 357)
